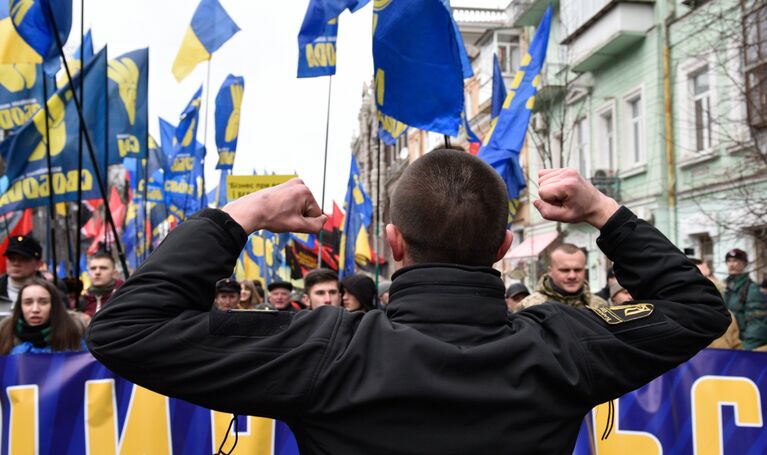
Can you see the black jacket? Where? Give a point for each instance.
(445, 370)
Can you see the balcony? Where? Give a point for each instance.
(528, 13)
(601, 35)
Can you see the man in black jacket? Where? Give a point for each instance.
(444, 370)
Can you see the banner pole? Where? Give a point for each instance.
(51, 186)
(78, 234)
(324, 169)
(89, 143)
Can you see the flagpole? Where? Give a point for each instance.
(89, 143)
(447, 141)
(51, 186)
(378, 209)
(324, 169)
(78, 235)
(205, 126)
(106, 144)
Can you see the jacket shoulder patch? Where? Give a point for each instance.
(623, 313)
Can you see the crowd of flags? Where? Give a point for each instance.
(164, 180)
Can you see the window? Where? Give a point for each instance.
(581, 149)
(701, 108)
(755, 32)
(508, 54)
(606, 129)
(634, 127)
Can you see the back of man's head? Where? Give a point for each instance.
(316, 276)
(451, 207)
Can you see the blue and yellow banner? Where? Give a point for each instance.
(413, 41)
(32, 39)
(507, 131)
(499, 89)
(359, 214)
(156, 172)
(70, 403)
(228, 108)
(25, 151)
(317, 37)
(21, 94)
(211, 27)
(128, 110)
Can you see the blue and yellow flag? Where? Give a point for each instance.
(25, 151)
(317, 37)
(507, 132)
(412, 42)
(359, 214)
(155, 171)
(183, 174)
(228, 106)
(26, 33)
(499, 89)
(211, 27)
(128, 110)
(21, 94)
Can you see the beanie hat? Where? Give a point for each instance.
(737, 253)
(362, 288)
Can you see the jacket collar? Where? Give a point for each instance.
(447, 293)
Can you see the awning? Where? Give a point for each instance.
(532, 246)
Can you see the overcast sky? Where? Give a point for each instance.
(282, 127)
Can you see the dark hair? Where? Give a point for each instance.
(695, 261)
(451, 207)
(65, 333)
(102, 255)
(317, 276)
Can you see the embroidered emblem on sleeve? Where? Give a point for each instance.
(623, 313)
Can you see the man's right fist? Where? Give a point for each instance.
(564, 195)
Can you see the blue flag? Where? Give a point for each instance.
(25, 151)
(499, 89)
(359, 214)
(317, 37)
(211, 27)
(155, 172)
(412, 42)
(507, 132)
(85, 49)
(128, 110)
(228, 107)
(21, 94)
(184, 140)
(31, 21)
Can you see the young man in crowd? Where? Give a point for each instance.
(321, 288)
(565, 281)
(445, 369)
(23, 258)
(103, 275)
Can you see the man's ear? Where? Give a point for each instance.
(396, 242)
(305, 300)
(507, 239)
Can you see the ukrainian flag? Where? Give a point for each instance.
(211, 27)
(507, 131)
(26, 33)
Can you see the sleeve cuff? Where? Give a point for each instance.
(224, 221)
(620, 225)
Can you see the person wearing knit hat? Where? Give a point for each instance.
(383, 292)
(743, 299)
(359, 293)
(618, 294)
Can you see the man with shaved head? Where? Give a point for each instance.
(444, 369)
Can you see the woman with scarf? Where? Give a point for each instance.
(40, 323)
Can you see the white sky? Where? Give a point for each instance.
(282, 126)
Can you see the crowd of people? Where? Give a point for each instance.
(40, 316)
(565, 282)
(47, 318)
